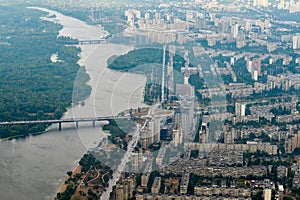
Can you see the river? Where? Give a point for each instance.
(34, 168)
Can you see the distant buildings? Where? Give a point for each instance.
(184, 183)
(292, 142)
(267, 194)
(251, 147)
(203, 133)
(237, 193)
(235, 30)
(229, 136)
(132, 15)
(146, 174)
(124, 188)
(291, 6)
(296, 42)
(156, 185)
(263, 3)
(240, 109)
(284, 81)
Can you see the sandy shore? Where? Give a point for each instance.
(63, 187)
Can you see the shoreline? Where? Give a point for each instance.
(81, 59)
(63, 186)
(83, 55)
(94, 59)
(22, 136)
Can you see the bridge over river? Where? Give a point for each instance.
(86, 42)
(61, 121)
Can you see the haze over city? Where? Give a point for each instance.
(150, 99)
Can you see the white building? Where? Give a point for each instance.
(240, 109)
(296, 42)
(255, 75)
(235, 30)
(249, 66)
(267, 194)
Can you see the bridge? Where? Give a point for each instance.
(85, 42)
(61, 121)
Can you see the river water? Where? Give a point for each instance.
(34, 168)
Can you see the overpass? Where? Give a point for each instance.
(61, 121)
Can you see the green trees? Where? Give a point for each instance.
(137, 57)
(66, 195)
(31, 86)
(86, 162)
(194, 153)
(241, 72)
(69, 173)
(281, 111)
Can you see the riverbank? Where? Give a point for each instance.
(34, 87)
(22, 136)
(121, 91)
(35, 167)
(64, 186)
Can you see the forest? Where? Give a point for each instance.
(31, 85)
(143, 56)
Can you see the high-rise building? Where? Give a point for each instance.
(235, 30)
(281, 5)
(292, 7)
(200, 22)
(297, 6)
(224, 26)
(119, 194)
(177, 139)
(257, 66)
(136, 160)
(156, 185)
(255, 75)
(232, 60)
(183, 188)
(292, 142)
(203, 133)
(240, 109)
(296, 42)
(249, 66)
(248, 25)
(263, 3)
(229, 136)
(267, 194)
(124, 188)
(267, 24)
(146, 174)
(132, 15)
(147, 16)
(156, 126)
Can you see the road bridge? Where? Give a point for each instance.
(61, 121)
(86, 42)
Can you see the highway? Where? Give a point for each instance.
(117, 173)
(132, 144)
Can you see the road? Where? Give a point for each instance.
(124, 161)
(132, 144)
